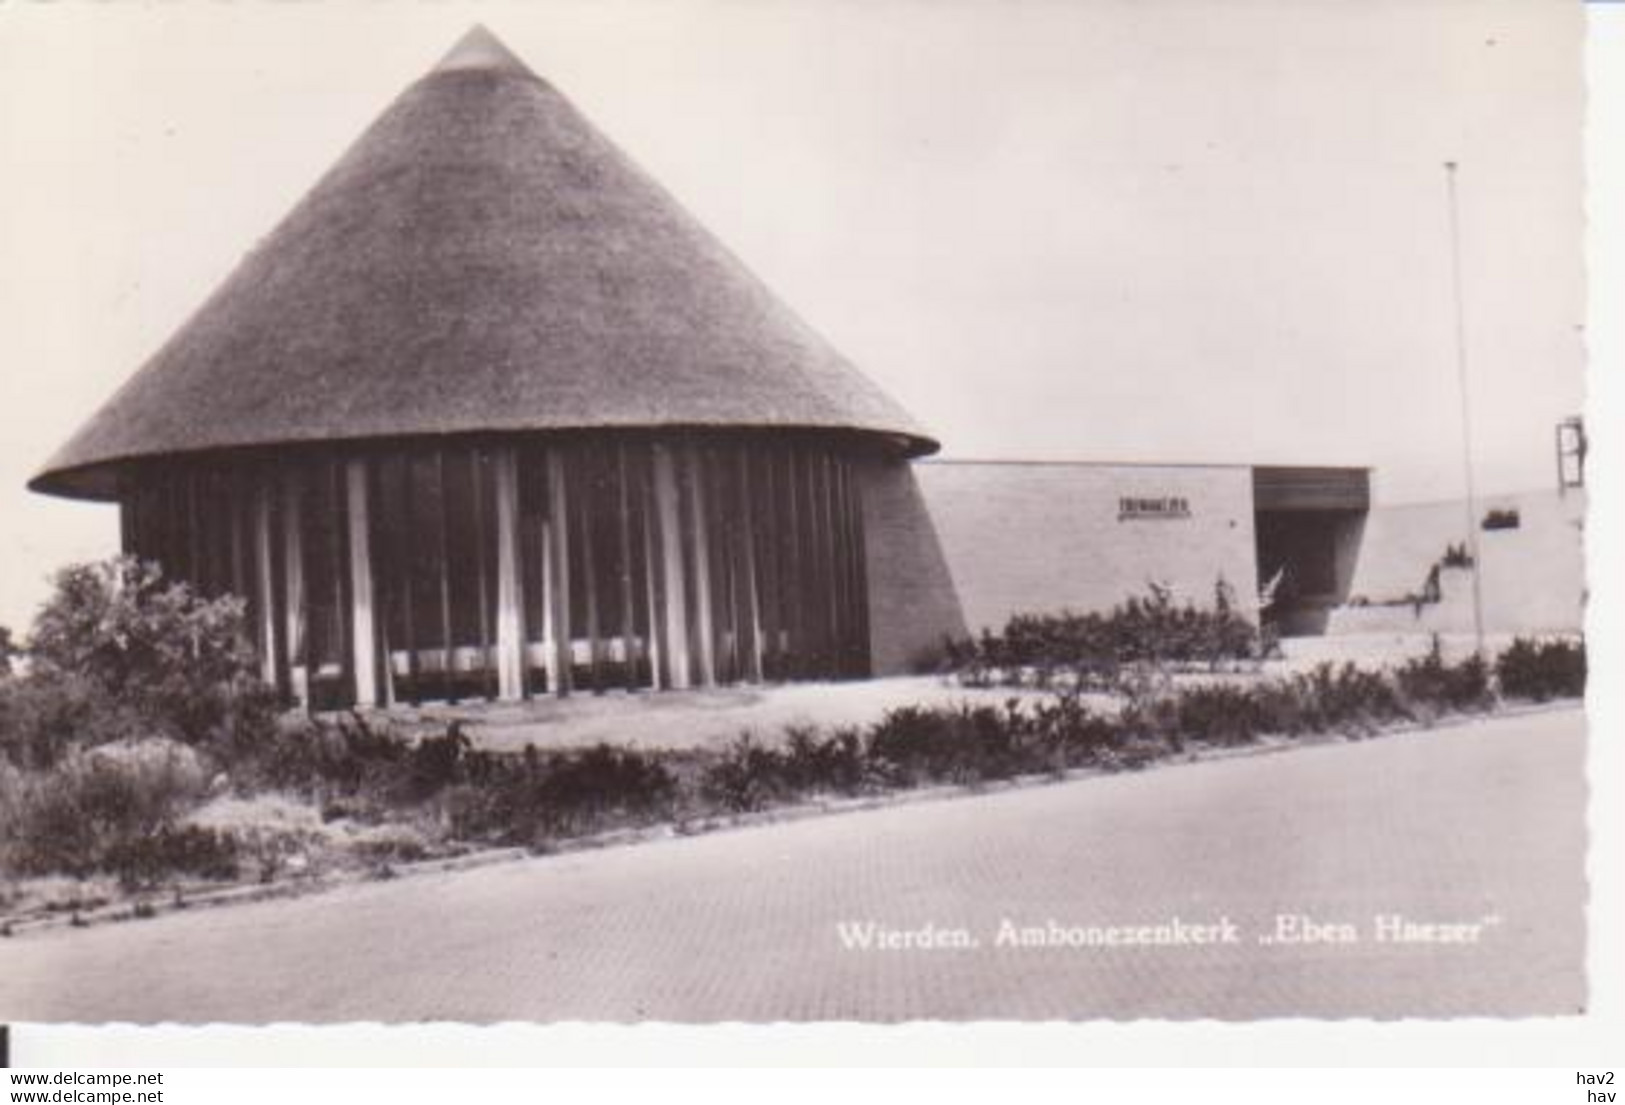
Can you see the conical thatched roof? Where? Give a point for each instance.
(481, 259)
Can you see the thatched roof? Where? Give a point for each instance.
(481, 259)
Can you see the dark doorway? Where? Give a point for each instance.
(1308, 523)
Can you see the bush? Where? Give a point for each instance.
(965, 744)
(47, 714)
(747, 776)
(1220, 715)
(835, 763)
(1065, 733)
(172, 851)
(347, 756)
(91, 812)
(1542, 670)
(180, 662)
(1428, 681)
(533, 798)
(1091, 650)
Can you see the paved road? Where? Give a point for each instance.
(1451, 826)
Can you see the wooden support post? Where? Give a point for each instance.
(195, 568)
(237, 512)
(795, 572)
(857, 474)
(700, 527)
(844, 574)
(405, 558)
(385, 543)
(293, 564)
(363, 626)
(482, 589)
(265, 581)
(752, 613)
(667, 506)
(829, 558)
(338, 573)
(587, 488)
(558, 511)
(623, 513)
(651, 578)
(510, 585)
(448, 674)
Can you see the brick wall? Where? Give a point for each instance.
(1533, 576)
(912, 603)
(1042, 537)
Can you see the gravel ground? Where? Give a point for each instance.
(1479, 824)
(704, 718)
(714, 718)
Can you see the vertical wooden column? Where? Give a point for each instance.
(238, 497)
(725, 509)
(558, 580)
(623, 514)
(126, 522)
(482, 584)
(794, 579)
(856, 476)
(363, 623)
(510, 585)
(265, 580)
(651, 577)
(550, 638)
(751, 614)
(667, 506)
(405, 557)
(293, 586)
(846, 554)
(448, 649)
(699, 518)
(196, 569)
(386, 545)
(829, 561)
(587, 491)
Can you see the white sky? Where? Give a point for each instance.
(1182, 231)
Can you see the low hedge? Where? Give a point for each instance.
(1094, 649)
(120, 809)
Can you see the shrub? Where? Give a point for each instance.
(532, 798)
(1347, 698)
(45, 715)
(171, 851)
(964, 744)
(835, 763)
(393, 843)
(1093, 649)
(86, 814)
(1221, 715)
(747, 776)
(1065, 733)
(347, 756)
(8, 652)
(1542, 670)
(1429, 682)
(180, 661)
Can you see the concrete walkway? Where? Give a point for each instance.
(1477, 825)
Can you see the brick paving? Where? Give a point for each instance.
(1457, 824)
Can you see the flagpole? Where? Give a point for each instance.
(1466, 419)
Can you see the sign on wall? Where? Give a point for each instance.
(1138, 507)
